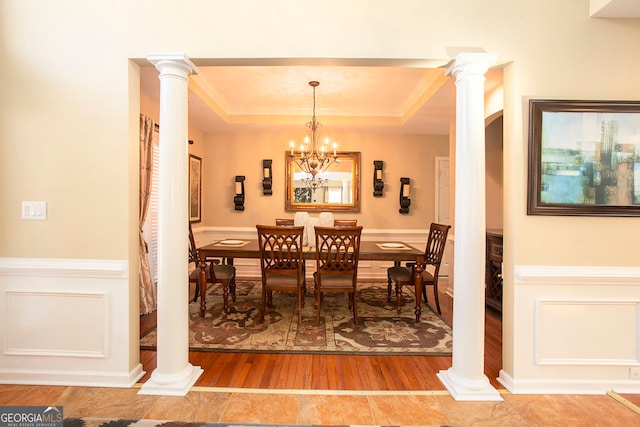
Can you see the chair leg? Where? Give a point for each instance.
(301, 294)
(435, 296)
(317, 305)
(398, 296)
(225, 295)
(264, 299)
(355, 309)
(232, 288)
(388, 289)
(304, 277)
(197, 292)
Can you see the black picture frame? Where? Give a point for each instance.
(584, 158)
(195, 188)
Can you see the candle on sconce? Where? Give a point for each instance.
(293, 144)
(406, 189)
(334, 149)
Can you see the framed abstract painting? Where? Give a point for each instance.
(584, 158)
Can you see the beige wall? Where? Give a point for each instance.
(404, 155)
(225, 156)
(66, 110)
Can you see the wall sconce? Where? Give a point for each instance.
(238, 199)
(267, 179)
(405, 190)
(378, 183)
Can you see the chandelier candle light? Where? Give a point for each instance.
(312, 159)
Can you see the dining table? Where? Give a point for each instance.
(369, 250)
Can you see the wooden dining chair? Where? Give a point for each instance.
(337, 253)
(280, 263)
(289, 222)
(404, 276)
(345, 222)
(216, 273)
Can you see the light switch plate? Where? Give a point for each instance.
(34, 210)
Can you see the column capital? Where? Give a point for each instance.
(471, 63)
(172, 63)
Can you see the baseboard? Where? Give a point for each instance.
(567, 386)
(72, 377)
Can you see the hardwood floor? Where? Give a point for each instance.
(334, 372)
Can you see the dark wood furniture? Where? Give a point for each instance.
(369, 251)
(337, 252)
(345, 222)
(194, 276)
(287, 222)
(216, 273)
(493, 278)
(433, 252)
(280, 263)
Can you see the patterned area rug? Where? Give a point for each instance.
(380, 329)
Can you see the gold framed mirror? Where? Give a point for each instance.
(340, 192)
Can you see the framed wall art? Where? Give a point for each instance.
(195, 188)
(584, 158)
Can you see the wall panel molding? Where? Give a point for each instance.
(61, 335)
(68, 322)
(577, 275)
(576, 329)
(569, 332)
(62, 267)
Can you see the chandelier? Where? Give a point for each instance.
(314, 157)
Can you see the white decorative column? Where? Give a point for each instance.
(174, 375)
(465, 380)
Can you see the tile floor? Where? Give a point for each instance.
(335, 407)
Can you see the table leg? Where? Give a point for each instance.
(225, 296)
(418, 285)
(203, 287)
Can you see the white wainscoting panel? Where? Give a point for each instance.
(571, 332)
(576, 329)
(47, 324)
(68, 322)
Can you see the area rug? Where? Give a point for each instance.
(380, 330)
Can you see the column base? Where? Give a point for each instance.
(172, 385)
(463, 389)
